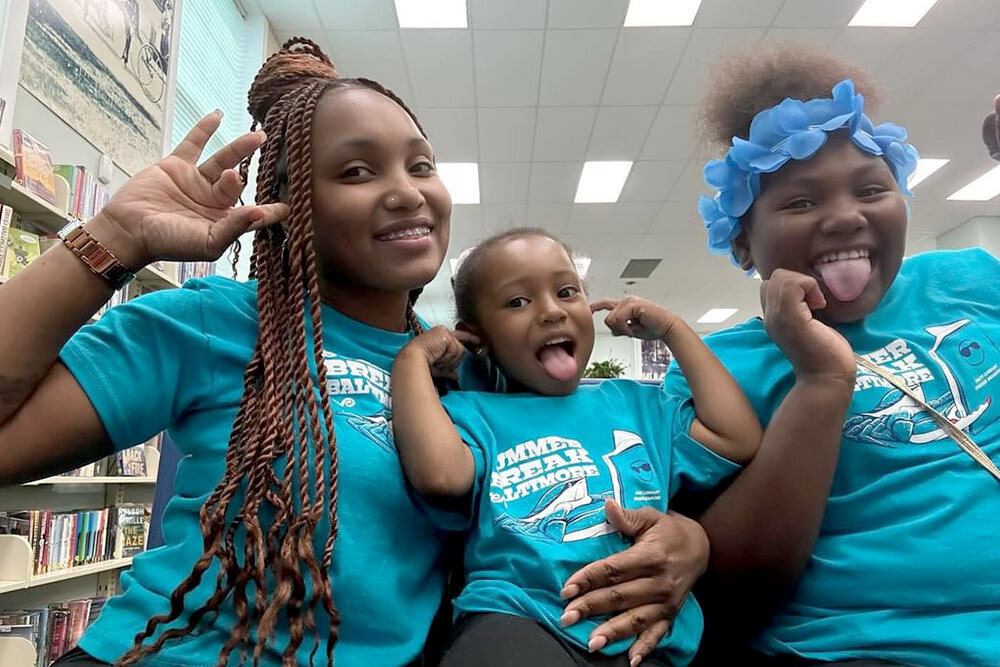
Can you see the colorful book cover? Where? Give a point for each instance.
(22, 249)
(33, 163)
(6, 218)
(133, 524)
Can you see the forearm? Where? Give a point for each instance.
(43, 305)
(763, 527)
(726, 422)
(434, 458)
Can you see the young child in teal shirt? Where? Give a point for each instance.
(535, 473)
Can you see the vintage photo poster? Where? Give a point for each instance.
(101, 66)
(655, 357)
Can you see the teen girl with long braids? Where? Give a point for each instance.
(291, 531)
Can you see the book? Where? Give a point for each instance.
(22, 249)
(133, 527)
(131, 462)
(6, 218)
(33, 165)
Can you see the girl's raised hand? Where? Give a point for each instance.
(635, 317)
(442, 349)
(177, 210)
(788, 300)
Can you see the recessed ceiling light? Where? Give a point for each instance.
(431, 14)
(661, 12)
(601, 182)
(925, 167)
(582, 264)
(891, 13)
(717, 315)
(462, 181)
(984, 188)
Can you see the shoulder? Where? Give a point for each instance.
(968, 276)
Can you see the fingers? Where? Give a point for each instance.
(193, 144)
(785, 290)
(227, 188)
(618, 598)
(269, 214)
(603, 304)
(467, 338)
(632, 563)
(647, 641)
(630, 522)
(631, 623)
(239, 220)
(230, 155)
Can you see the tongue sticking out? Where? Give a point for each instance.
(557, 362)
(846, 279)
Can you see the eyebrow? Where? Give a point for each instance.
(364, 143)
(562, 274)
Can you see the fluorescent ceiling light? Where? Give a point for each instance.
(661, 12)
(717, 315)
(984, 188)
(891, 13)
(925, 167)
(462, 181)
(582, 263)
(601, 182)
(431, 14)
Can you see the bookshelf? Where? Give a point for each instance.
(16, 561)
(16, 651)
(50, 219)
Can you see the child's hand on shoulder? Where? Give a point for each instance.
(788, 299)
(636, 317)
(440, 348)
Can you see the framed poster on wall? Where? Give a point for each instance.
(103, 67)
(654, 356)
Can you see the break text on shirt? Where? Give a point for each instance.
(538, 464)
(355, 377)
(898, 359)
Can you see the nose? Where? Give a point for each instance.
(844, 216)
(403, 194)
(551, 311)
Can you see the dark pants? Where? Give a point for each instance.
(77, 658)
(501, 640)
(759, 660)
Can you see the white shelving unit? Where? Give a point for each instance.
(152, 464)
(16, 652)
(16, 559)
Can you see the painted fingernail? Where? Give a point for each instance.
(219, 113)
(634, 660)
(570, 591)
(597, 643)
(569, 618)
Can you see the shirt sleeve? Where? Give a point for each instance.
(472, 428)
(692, 465)
(143, 363)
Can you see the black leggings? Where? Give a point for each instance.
(502, 640)
(76, 657)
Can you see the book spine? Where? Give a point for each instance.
(6, 216)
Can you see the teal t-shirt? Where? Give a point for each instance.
(175, 360)
(544, 466)
(907, 564)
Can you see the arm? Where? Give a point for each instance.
(725, 422)
(435, 459)
(171, 210)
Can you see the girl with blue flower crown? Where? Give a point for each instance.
(892, 523)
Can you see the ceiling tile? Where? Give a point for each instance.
(680, 219)
(816, 14)
(690, 184)
(508, 65)
(452, 132)
(820, 38)
(586, 13)
(466, 227)
(561, 133)
(554, 182)
(440, 66)
(498, 217)
(505, 135)
(619, 132)
(962, 14)
(290, 15)
(672, 135)
(553, 217)
(736, 13)
(504, 182)
(368, 15)
(651, 180)
(376, 54)
(507, 15)
(575, 65)
(868, 47)
(705, 45)
(620, 218)
(643, 63)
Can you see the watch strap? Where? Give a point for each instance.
(98, 259)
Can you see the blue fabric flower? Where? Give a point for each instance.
(793, 130)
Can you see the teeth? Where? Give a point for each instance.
(409, 233)
(557, 341)
(842, 256)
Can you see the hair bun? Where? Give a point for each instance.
(299, 60)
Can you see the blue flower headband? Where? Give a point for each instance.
(792, 130)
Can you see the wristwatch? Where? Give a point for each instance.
(92, 252)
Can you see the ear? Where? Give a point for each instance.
(475, 330)
(741, 248)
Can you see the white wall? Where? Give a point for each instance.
(620, 348)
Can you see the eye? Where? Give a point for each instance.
(568, 292)
(517, 302)
(798, 204)
(423, 167)
(872, 190)
(356, 172)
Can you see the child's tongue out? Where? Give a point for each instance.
(846, 278)
(557, 362)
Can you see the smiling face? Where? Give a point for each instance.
(533, 314)
(380, 212)
(838, 217)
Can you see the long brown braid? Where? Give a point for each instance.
(270, 466)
